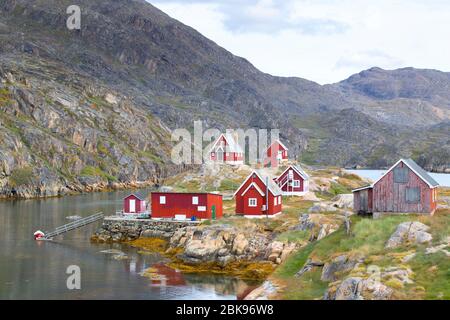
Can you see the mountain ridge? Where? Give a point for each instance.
(171, 75)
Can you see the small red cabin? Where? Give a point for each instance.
(134, 205)
(276, 153)
(226, 150)
(258, 196)
(293, 181)
(404, 188)
(182, 206)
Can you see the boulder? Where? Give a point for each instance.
(409, 232)
(322, 207)
(355, 288)
(343, 201)
(340, 264)
(240, 243)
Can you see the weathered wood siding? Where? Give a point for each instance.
(363, 201)
(390, 196)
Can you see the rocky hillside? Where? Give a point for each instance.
(94, 106)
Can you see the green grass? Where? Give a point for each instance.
(21, 176)
(228, 185)
(432, 273)
(367, 239)
(5, 97)
(297, 236)
(90, 171)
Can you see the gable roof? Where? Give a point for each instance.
(421, 173)
(298, 169)
(273, 187)
(255, 186)
(280, 143)
(411, 164)
(232, 145)
(135, 195)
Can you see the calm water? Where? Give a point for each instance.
(32, 269)
(442, 178)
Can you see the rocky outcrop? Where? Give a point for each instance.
(343, 201)
(59, 138)
(113, 230)
(263, 292)
(320, 225)
(355, 288)
(409, 233)
(225, 244)
(338, 266)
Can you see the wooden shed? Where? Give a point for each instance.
(404, 188)
(134, 204)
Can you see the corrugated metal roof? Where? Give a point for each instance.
(421, 172)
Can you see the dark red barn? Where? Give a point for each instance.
(134, 205)
(404, 188)
(186, 205)
(294, 181)
(257, 198)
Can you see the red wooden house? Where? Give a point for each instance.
(276, 153)
(133, 204)
(226, 149)
(258, 196)
(181, 206)
(404, 188)
(293, 181)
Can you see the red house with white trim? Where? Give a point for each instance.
(226, 150)
(182, 206)
(258, 196)
(404, 188)
(133, 204)
(277, 152)
(294, 181)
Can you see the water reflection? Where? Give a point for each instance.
(37, 269)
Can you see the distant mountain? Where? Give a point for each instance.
(105, 97)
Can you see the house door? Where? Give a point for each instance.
(132, 206)
(364, 199)
(213, 212)
(220, 155)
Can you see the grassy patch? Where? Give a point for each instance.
(90, 171)
(21, 176)
(5, 97)
(297, 236)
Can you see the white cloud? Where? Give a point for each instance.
(323, 40)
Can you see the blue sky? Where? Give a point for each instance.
(323, 40)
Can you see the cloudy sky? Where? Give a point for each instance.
(323, 40)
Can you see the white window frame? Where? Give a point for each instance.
(162, 200)
(279, 199)
(195, 200)
(275, 201)
(296, 183)
(251, 204)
